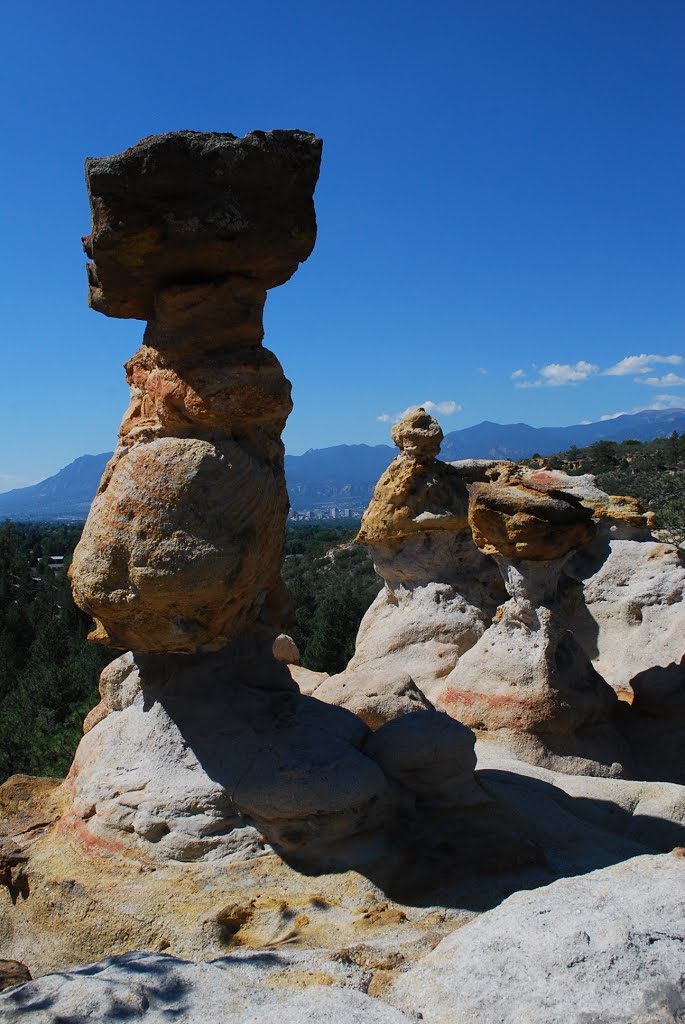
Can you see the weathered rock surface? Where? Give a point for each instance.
(609, 947)
(285, 649)
(375, 694)
(183, 546)
(436, 763)
(244, 988)
(634, 618)
(440, 592)
(516, 521)
(526, 678)
(210, 778)
(202, 746)
(307, 680)
(200, 208)
(76, 896)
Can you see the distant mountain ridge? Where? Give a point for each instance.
(345, 472)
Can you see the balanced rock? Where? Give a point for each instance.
(526, 680)
(202, 746)
(183, 545)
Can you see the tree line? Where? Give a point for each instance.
(48, 671)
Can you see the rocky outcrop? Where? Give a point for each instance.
(632, 615)
(202, 746)
(440, 592)
(606, 947)
(527, 680)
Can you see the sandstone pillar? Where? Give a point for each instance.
(440, 592)
(202, 747)
(527, 682)
(183, 546)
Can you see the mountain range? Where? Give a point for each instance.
(348, 473)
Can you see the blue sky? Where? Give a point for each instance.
(501, 209)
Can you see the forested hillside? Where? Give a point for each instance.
(653, 471)
(332, 582)
(48, 671)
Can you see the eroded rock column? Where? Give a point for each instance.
(184, 542)
(440, 592)
(202, 747)
(527, 682)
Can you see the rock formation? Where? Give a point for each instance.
(589, 588)
(527, 680)
(183, 545)
(202, 746)
(440, 592)
(632, 617)
(345, 861)
(604, 947)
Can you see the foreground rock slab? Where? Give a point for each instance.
(239, 989)
(75, 897)
(608, 947)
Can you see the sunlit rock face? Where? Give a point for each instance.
(527, 681)
(440, 592)
(183, 546)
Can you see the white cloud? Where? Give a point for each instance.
(441, 408)
(669, 380)
(668, 402)
(660, 402)
(555, 375)
(447, 408)
(640, 364)
(483, 370)
(517, 374)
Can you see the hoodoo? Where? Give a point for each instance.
(183, 546)
(202, 746)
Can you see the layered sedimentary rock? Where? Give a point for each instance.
(632, 617)
(440, 592)
(527, 681)
(625, 595)
(184, 542)
(202, 747)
